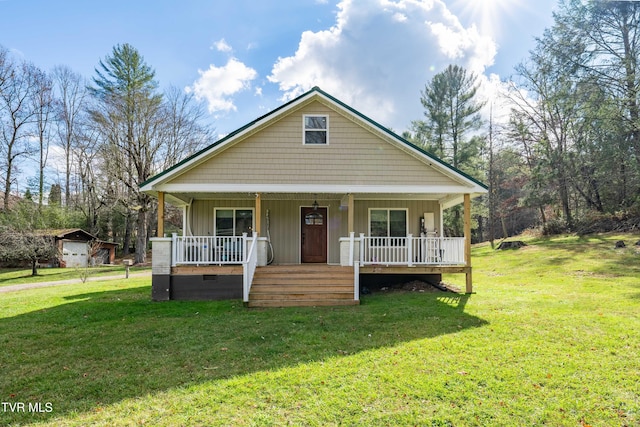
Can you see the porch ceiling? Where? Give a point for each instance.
(185, 198)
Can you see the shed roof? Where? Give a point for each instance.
(72, 234)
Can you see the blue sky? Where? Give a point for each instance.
(243, 58)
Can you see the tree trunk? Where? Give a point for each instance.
(67, 186)
(126, 240)
(41, 173)
(7, 187)
(504, 227)
(564, 198)
(141, 238)
(34, 267)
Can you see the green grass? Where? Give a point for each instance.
(14, 276)
(550, 338)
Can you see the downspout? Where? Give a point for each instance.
(187, 219)
(184, 220)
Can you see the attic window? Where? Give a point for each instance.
(316, 129)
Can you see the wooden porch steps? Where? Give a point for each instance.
(302, 286)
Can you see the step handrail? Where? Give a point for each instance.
(249, 266)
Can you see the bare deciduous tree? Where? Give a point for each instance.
(72, 102)
(42, 100)
(17, 86)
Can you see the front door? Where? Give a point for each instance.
(314, 235)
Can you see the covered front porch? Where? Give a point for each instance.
(365, 250)
(240, 234)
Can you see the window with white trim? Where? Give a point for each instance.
(388, 222)
(316, 130)
(233, 221)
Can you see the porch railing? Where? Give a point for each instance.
(208, 250)
(411, 250)
(249, 268)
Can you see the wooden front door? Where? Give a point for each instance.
(314, 235)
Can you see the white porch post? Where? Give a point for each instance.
(350, 214)
(245, 247)
(410, 250)
(356, 281)
(352, 236)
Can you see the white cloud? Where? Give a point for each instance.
(379, 55)
(221, 46)
(218, 84)
(400, 17)
(468, 45)
(494, 92)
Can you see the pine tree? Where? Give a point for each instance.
(451, 115)
(128, 115)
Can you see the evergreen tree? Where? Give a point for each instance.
(451, 117)
(55, 195)
(128, 116)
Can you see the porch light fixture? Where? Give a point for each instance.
(315, 217)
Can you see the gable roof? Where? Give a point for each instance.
(71, 234)
(67, 234)
(150, 186)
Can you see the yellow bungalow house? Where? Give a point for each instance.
(302, 205)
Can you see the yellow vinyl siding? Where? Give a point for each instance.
(284, 221)
(277, 155)
(284, 224)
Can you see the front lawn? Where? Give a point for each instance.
(19, 276)
(550, 338)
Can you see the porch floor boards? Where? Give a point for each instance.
(403, 269)
(302, 285)
(196, 270)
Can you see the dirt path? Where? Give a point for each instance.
(24, 286)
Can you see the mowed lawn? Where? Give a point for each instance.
(551, 337)
(18, 276)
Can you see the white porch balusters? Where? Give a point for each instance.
(412, 251)
(208, 250)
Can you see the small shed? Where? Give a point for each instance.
(105, 252)
(74, 248)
